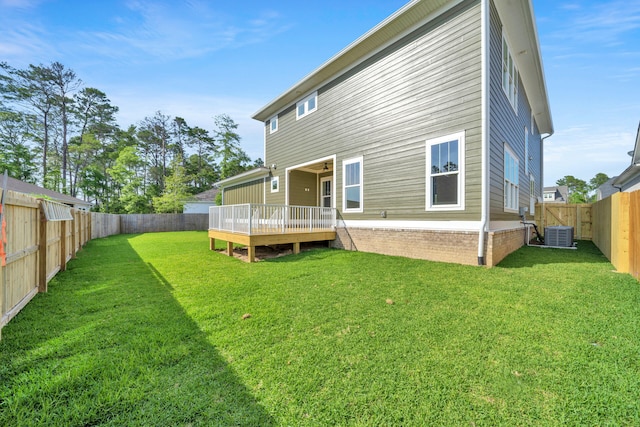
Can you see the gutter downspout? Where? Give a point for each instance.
(542, 162)
(485, 110)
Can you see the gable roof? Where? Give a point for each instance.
(35, 190)
(206, 196)
(515, 16)
(607, 189)
(561, 193)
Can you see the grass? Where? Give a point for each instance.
(149, 330)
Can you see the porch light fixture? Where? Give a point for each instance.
(326, 167)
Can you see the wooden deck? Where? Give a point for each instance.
(263, 225)
(251, 241)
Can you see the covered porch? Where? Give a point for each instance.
(263, 225)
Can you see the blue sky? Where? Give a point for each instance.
(198, 58)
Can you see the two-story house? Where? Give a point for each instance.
(425, 134)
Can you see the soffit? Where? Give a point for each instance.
(517, 15)
(244, 177)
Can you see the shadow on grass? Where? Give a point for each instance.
(109, 345)
(529, 256)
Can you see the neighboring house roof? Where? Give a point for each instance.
(515, 15)
(560, 194)
(36, 191)
(606, 189)
(251, 175)
(199, 203)
(205, 196)
(631, 174)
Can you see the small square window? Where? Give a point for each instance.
(307, 105)
(275, 184)
(273, 124)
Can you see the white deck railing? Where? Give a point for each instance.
(271, 219)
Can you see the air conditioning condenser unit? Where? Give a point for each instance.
(558, 235)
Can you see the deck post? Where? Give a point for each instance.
(212, 244)
(251, 253)
(230, 248)
(296, 248)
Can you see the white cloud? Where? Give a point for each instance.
(197, 109)
(585, 150)
(167, 31)
(19, 4)
(21, 44)
(605, 23)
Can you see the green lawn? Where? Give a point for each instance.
(149, 330)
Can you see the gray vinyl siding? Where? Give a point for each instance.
(424, 86)
(506, 126)
(248, 192)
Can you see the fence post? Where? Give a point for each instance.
(63, 245)
(42, 251)
(87, 217)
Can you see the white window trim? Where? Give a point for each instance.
(276, 180)
(305, 102)
(460, 137)
(508, 149)
(511, 96)
(526, 151)
(272, 120)
(345, 163)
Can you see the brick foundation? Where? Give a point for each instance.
(460, 247)
(502, 243)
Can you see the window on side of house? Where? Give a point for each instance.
(511, 187)
(273, 124)
(526, 150)
(275, 184)
(445, 172)
(352, 185)
(307, 105)
(509, 74)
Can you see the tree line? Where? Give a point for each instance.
(62, 135)
(581, 191)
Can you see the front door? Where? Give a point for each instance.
(326, 196)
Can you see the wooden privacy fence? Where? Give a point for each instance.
(578, 216)
(613, 224)
(42, 236)
(617, 230)
(104, 225)
(151, 223)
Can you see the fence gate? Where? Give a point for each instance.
(577, 216)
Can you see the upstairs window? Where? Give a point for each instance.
(526, 150)
(307, 105)
(352, 181)
(511, 187)
(509, 75)
(273, 124)
(445, 172)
